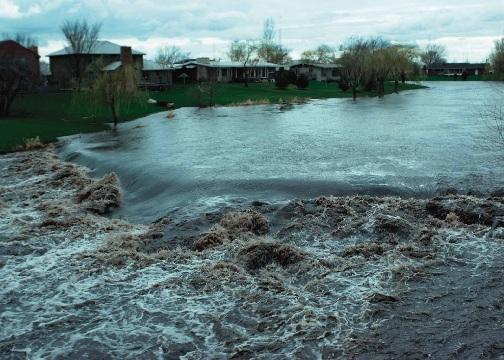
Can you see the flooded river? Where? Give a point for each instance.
(326, 230)
(415, 143)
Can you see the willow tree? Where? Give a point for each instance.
(497, 59)
(355, 63)
(402, 63)
(115, 89)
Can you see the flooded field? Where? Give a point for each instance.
(316, 248)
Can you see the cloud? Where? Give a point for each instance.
(10, 10)
(147, 24)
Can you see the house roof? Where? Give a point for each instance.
(306, 63)
(458, 66)
(113, 66)
(101, 48)
(223, 64)
(15, 43)
(148, 65)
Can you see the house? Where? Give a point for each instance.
(450, 69)
(317, 72)
(155, 76)
(204, 69)
(63, 65)
(29, 56)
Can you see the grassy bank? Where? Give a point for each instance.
(50, 115)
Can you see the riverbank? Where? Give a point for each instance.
(51, 115)
(355, 276)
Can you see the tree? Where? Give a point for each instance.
(282, 79)
(169, 55)
(497, 59)
(244, 52)
(381, 55)
(354, 62)
(403, 63)
(302, 82)
(21, 38)
(114, 89)
(323, 54)
(81, 39)
(433, 54)
(267, 49)
(15, 76)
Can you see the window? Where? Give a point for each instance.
(224, 72)
(335, 72)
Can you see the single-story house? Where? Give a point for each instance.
(317, 72)
(12, 50)
(63, 69)
(450, 69)
(204, 69)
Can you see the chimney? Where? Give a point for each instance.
(126, 55)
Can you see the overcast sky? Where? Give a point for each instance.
(205, 27)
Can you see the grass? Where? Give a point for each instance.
(51, 115)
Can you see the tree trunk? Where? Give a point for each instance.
(381, 87)
(396, 86)
(8, 96)
(354, 92)
(246, 77)
(114, 113)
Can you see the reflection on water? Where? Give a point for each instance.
(414, 143)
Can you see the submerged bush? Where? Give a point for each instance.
(248, 220)
(261, 254)
(101, 196)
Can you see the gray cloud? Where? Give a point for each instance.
(303, 24)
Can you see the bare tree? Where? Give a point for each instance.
(15, 76)
(268, 50)
(81, 39)
(21, 38)
(169, 55)
(497, 59)
(433, 54)
(244, 52)
(323, 54)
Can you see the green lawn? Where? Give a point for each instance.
(50, 115)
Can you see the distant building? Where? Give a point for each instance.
(112, 56)
(450, 69)
(317, 72)
(204, 69)
(12, 50)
